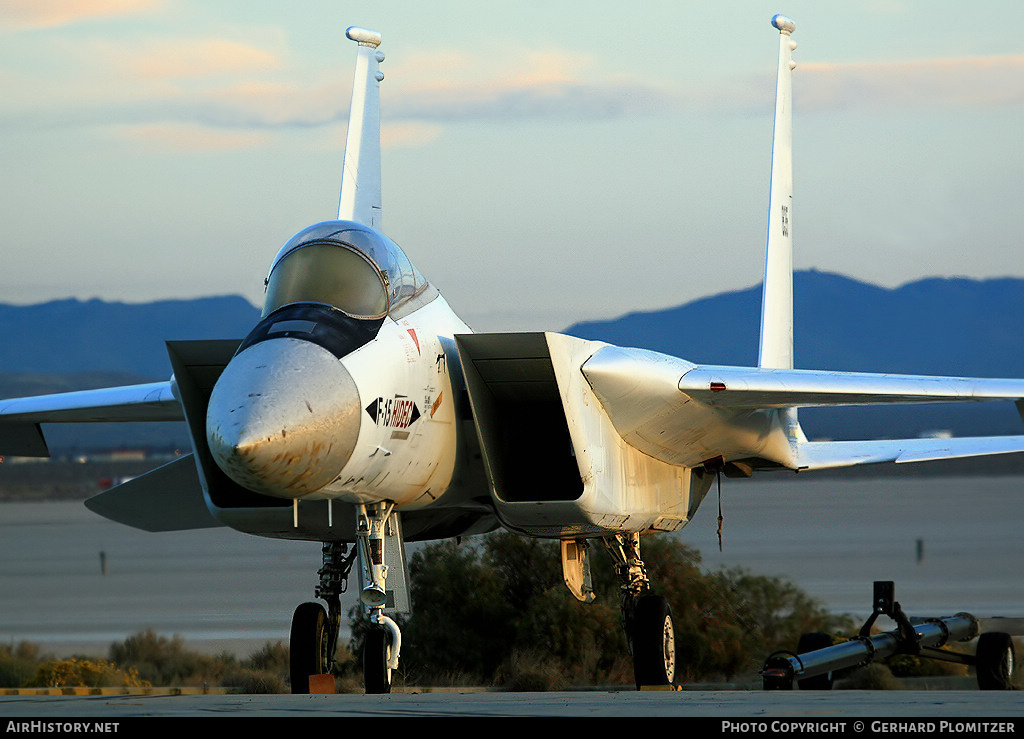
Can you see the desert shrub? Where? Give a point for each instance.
(247, 680)
(874, 676)
(18, 664)
(909, 665)
(146, 659)
(271, 657)
(165, 661)
(532, 672)
(81, 672)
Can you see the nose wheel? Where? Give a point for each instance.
(309, 646)
(314, 633)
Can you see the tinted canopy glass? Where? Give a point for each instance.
(345, 265)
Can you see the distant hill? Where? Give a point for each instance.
(68, 345)
(74, 336)
(937, 326)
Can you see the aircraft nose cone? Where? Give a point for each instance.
(283, 418)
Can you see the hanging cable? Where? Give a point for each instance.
(719, 476)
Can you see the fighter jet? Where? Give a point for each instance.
(362, 413)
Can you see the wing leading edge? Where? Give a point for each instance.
(20, 417)
(740, 387)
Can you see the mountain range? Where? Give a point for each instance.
(936, 326)
(953, 326)
(76, 336)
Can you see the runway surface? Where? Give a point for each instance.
(762, 706)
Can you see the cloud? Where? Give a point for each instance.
(408, 134)
(447, 86)
(959, 82)
(171, 89)
(33, 14)
(184, 137)
(436, 89)
(190, 58)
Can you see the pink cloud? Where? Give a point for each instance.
(198, 58)
(28, 14)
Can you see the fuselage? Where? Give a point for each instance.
(351, 388)
(343, 390)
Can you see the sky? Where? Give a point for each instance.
(544, 162)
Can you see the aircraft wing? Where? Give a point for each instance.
(20, 417)
(737, 388)
(684, 413)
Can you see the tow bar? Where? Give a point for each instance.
(818, 659)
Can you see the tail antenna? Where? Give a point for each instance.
(361, 199)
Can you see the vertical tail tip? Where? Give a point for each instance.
(784, 24)
(364, 36)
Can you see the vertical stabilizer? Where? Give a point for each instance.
(776, 350)
(777, 299)
(360, 183)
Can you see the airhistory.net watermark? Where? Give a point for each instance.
(61, 727)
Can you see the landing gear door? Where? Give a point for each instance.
(398, 568)
(576, 569)
(396, 572)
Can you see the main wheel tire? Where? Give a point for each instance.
(308, 646)
(654, 642)
(995, 661)
(811, 643)
(376, 651)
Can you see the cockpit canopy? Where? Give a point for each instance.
(343, 264)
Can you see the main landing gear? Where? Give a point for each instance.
(314, 632)
(646, 617)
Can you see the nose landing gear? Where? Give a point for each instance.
(314, 632)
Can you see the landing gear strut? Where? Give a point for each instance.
(647, 618)
(383, 640)
(314, 634)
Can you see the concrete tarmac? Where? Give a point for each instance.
(750, 705)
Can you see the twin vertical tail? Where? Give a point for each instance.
(361, 198)
(361, 181)
(776, 347)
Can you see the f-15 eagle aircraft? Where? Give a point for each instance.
(361, 412)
